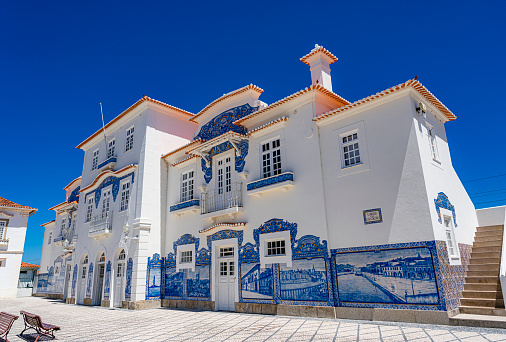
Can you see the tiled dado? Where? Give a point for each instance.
(453, 276)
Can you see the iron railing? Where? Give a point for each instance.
(100, 224)
(228, 196)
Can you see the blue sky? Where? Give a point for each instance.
(59, 60)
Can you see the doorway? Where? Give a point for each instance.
(82, 281)
(66, 284)
(99, 281)
(119, 280)
(226, 278)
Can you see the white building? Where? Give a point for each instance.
(13, 222)
(284, 206)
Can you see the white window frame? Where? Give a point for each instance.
(267, 157)
(185, 265)
(63, 225)
(341, 168)
(3, 229)
(350, 147)
(111, 148)
(270, 248)
(94, 160)
(107, 213)
(50, 237)
(227, 178)
(90, 201)
(187, 185)
(432, 138)
(274, 259)
(455, 258)
(125, 199)
(129, 138)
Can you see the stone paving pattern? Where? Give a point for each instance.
(84, 323)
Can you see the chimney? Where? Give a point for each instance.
(319, 60)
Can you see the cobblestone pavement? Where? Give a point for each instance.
(84, 323)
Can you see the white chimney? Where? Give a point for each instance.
(319, 60)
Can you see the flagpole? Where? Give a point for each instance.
(103, 125)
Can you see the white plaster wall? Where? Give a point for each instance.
(393, 180)
(495, 216)
(46, 257)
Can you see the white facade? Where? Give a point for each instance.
(294, 203)
(13, 223)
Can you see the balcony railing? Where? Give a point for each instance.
(221, 199)
(100, 225)
(109, 163)
(4, 242)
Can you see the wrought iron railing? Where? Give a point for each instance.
(100, 224)
(222, 198)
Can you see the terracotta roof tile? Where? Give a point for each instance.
(6, 203)
(317, 49)
(27, 265)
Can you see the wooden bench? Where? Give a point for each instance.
(34, 322)
(6, 321)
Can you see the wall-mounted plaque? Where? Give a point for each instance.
(372, 216)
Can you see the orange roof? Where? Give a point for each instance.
(409, 83)
(70, 184)
(27, 265)
(183, 147)
(45, 224)
(183, 160)
(128, 110)
(6, 203)
(317, 49)
(314, 87)
(225, 96)
(273, 122)
(62, 204)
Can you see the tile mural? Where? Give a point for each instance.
(173, 282)
(392, 276)
(256, 282)
(198, 282)
(306, 280)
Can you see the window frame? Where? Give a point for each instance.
(227, 176)
(271, 157)
(50, 236)
(186, 195)
(94, 159)
(432, 138)
(90, 202)
(346, 145)
(275, 259)
(186, 264)
(122, 205)
(364, 165)
(3, 235)
(453, 258)
(111, 148)
(275, 248)
(129, 138)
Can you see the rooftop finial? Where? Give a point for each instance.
(316, 46)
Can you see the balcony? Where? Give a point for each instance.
(100, 226)
(191, 206)
(108, 164)
(4, 243)
(59, 240)
(281, 182)
(220, 202)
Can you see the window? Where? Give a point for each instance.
(89, 209)
(50, 238)
(74, 219)
(94, 161)
(83, 275)
(122, 255)
(432, 142)
(276, 247)
(106, 203)
(187, 186)
(450, 237)
(110, 148)
(63, 225)
(186, 256)
(227, 268)
(120, 270)
(129, 144)
(125, 195)
(226, 252)
(102, 258)
(350, 149)
(3, 226)
(57, 270)
(224, 175)
(271, 158)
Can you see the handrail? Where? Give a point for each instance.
(100, 224)
(220, 198)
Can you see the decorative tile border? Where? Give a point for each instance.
(107, 285)
(240, 159)
(442, 201)
(186, 239)
(182, 205)
(287, 176)
(111, 180)
(128, 286)
(90, 281)
(104, 163)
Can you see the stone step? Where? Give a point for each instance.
(476, 310)
(488, 238)
(482, 302)
(486, 249)
(482, 287)
(489, 233)
(487, 244)
(494, 273)
(479, 320)
(482, 294)
(481, 261)
(490, 254)
(484, 267)
(482, 280)
(490, 228)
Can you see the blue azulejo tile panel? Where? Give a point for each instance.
(256, 282)
(198, 282)
(173, 282)
(387, 276)
(287, 176)
(306, 280)
(154, 277)
(182, 205)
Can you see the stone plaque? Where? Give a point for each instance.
(372, 216)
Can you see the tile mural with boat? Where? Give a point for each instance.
(391, 276)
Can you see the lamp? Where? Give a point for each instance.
(126, 228)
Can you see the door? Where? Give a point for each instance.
(224, 183)
(226, 279)
(97, 295)
(66, 284)
(119, 282)
(82, 284)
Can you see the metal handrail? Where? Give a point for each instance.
(98, 224)
(220, 198)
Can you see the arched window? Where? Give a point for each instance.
(85, 261)
(122, 255)
(102, 258)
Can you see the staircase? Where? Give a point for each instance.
(482, 293)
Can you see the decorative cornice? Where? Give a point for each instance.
(71, 183)
(223, 224)
(107, 173)
(268, 124)
(184, 159)
(318, 49)
(190, 144)
(3, 213)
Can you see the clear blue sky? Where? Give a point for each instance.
(59, 60)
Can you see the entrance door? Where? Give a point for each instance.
(119, 281)
(82, 283)
(226, 279)
(97, 295)
(66, 284)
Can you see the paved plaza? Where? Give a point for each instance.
(83, 323)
